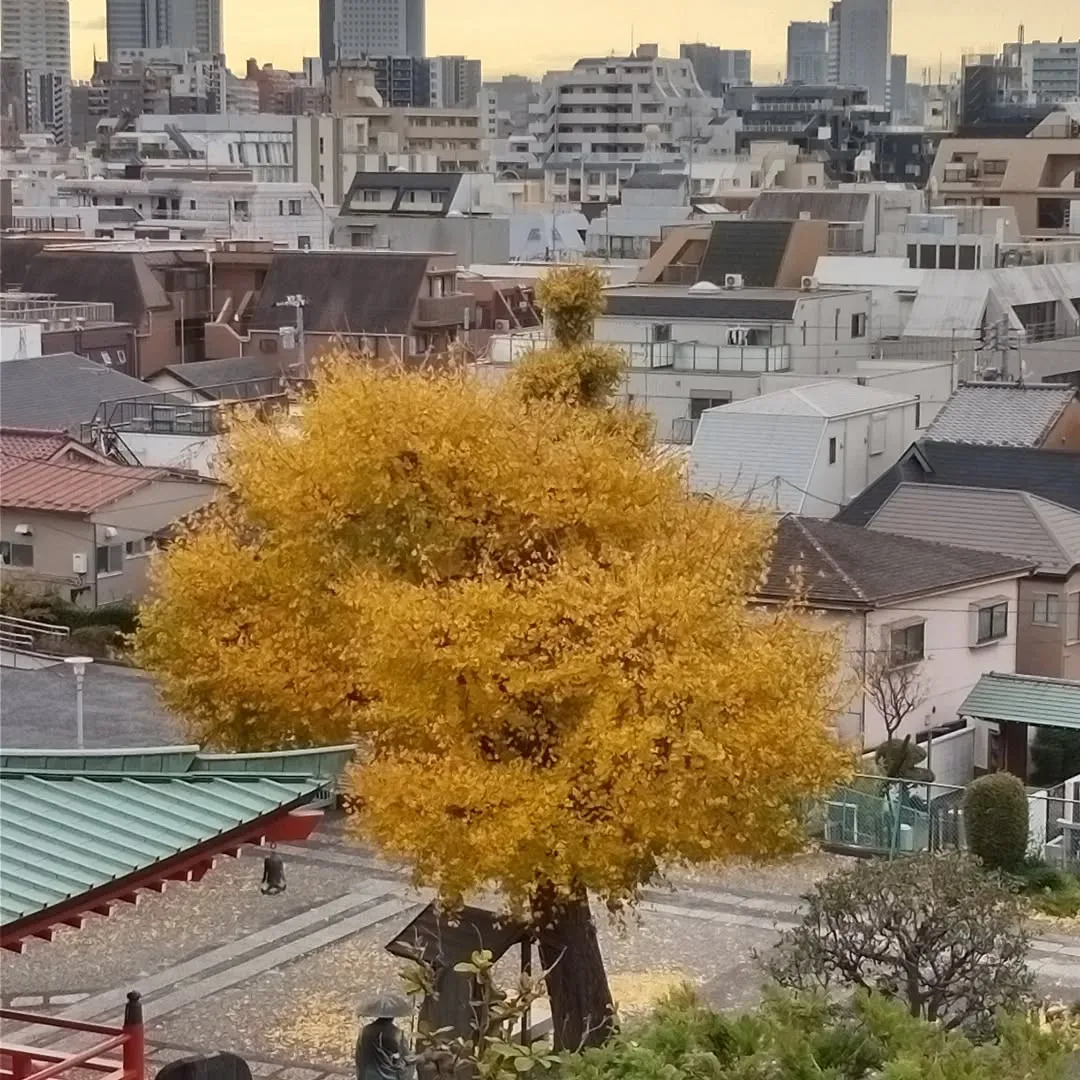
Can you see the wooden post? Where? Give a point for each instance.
(134, 1057)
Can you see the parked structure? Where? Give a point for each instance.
(806, 450)
(903, 603)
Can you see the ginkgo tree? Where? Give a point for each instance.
(541, 644)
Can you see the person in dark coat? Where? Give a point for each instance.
(382, 1052)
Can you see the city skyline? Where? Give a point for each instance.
(553, 35)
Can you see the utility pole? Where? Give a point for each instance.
(297, 301)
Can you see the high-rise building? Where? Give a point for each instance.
(860, 46)
(38, 34)
(455, 82)
(1049, 71)
(717, 69)
(163, 24)
(808, 52)
(352, 28)
(898, 85)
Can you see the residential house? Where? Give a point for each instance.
(1039, 177)
(85, 528)
(1012, 523)
(1053, 475)
(392, 304)
(691, 347)
(423, 211)
(764, 254)
(651, 200)
(805, 450)
(1010, 414)
(905, 605)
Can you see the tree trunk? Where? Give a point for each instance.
(582, 1011)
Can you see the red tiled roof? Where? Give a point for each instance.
(68, 488)
(31, 444)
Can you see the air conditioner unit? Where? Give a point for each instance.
(502, 326)
(807, 282)
(78, 562)
(733, 281)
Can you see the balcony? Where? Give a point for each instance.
(697, 356)
(54, 314)
(442, 310)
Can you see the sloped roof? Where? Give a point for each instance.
(844, 566)
(832, 399)
(820, 205)
(258, 369)
(1001, 414)
(1053, 475)
(348, 292)
(31, 444)
(60, 391)
(676, 302)
(69, 488)
(69, 837)
(1024, 699)
(120, 278)
(754, 249)
(1010, 522)
(762, 459)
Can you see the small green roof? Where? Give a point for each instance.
(1024, 699)
(64, 834)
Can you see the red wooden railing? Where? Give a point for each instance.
(19, 1062)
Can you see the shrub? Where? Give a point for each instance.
(996, 820)
(99, 641)
(937, 932)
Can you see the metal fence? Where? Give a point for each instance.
(874, 815)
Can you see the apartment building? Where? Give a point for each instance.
(37, 32)
(1038, 176)
(860, 44)
(1049, 71)
(807, 52)
(613, 108)
(717, 69)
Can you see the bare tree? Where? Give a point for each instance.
(896, 691)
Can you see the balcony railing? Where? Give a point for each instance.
(697, 356)
(442, 310)
(56, 314)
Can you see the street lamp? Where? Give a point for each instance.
(78, 666)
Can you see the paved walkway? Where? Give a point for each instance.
(278, 979)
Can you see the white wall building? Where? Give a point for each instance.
(805, 450)
(38, 33)
(1049, 70)
(291, 215)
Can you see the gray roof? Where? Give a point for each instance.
(1001, 414)
(1024, 699)
(1010, 522)
(820, 205)
(348, 292)
(59, 391)
(256, 369)
(845, 566)
(763, 306)
(401, 182)
(762, 459)
(647, 178)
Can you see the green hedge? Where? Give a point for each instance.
(996, 820)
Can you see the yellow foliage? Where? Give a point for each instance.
(582, 375)
(571, 297)
(541, 642)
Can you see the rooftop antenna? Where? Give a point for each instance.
(631, 39)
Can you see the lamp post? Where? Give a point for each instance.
(78, 666)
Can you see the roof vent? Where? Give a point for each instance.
(703, 286)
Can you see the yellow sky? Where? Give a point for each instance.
(532, 37)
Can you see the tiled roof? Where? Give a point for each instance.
(1010, 522)
(31, 444)
(834, 398)
(844, 566)
(1024, 699)
(69, 488)
(1000, 414)
(65, 835)
(1053, 475)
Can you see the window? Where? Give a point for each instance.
(927, 256)
(661, 332)
(1072, 617)
(832, 450)
(368, 195)
(110, 559)
(992, 622)
(967, 257)
(907, 644)
(811, 180)
(858, 324)
(303, 242)
(913, 256)
(878, 423)
(12, 554)
(699, 404)
(1045, 609)
(836, 326)
(281, 207)
(994, 167)
(947, 257)
(135, 549)
(240, 209)
(191, 204)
